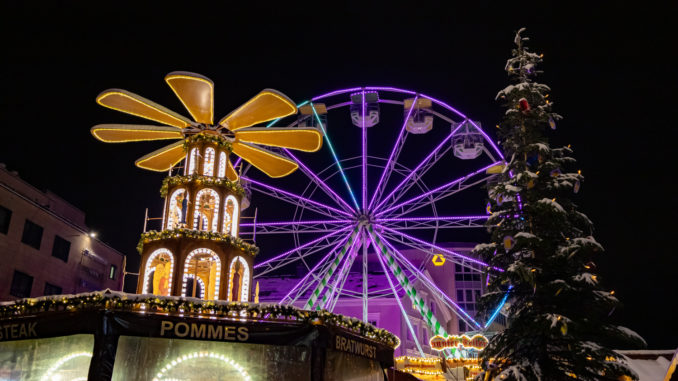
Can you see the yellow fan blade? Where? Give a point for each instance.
(130, 103)
(195, 92)
(303, 139)
(267, 105)
(231, 174)
(268, 162)
(162, 159)
(122, 133)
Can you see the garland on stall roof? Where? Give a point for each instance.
(109, 300)
(238, 242)
(206, 138)
(209, 181)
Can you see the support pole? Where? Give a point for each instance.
(365, 295)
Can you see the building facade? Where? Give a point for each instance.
(45, 246)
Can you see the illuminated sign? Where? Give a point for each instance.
(439, 343)
(438, 260)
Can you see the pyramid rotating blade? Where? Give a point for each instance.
(195, 92)
(162, 159)
(231, 173)
(266, 161)
(302, 139)
(130, 103)
(122, 133)
(267, 105)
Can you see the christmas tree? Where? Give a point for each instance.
(557, 310)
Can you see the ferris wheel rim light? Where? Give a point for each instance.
(440, 218)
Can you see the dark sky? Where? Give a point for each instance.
(611, 69)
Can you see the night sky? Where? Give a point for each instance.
(611, 70)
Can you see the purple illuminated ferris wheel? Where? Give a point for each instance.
(400, 172)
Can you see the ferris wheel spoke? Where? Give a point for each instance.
(427, 247)
(323, 282)
(329, 293)
(440, 192)
(290, 227)
(364, 155)
(334, 155)
(284, 259)
(393, 157)
(433, 222)
(338, 288)
(418, 171)
(313, 276)
(426, 281)
(320, 183)
(295, 199)
(400, 304)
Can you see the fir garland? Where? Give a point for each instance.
(238, 242)
(119, 301)
(207, 138)
(209, 181)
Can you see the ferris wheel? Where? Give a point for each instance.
(399, 171)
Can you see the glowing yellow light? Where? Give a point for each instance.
(612, 292)
(302, 139)
(130, 103)
(162, 159)
(268, 162)
(278, 106)
(438, 260)
(187, 93)
(116, 133)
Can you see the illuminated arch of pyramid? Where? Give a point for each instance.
(196, 93)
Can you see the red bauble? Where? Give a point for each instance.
(524, 106)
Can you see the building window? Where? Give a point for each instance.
(21, 285)
(460, 295)
(61, 249)
(51, 289)
(32, 234)
(5, 217)
(112, 272)
(462, 326)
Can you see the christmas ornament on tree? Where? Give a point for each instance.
(508, 242)
(555, 172)
(523, 105)
(552, 123)
(576, 187)
(488, 208)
